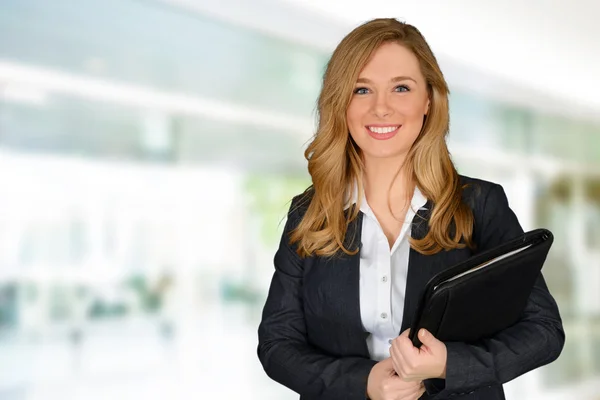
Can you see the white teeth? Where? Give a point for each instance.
(382, 130)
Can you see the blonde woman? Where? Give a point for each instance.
(386, 211)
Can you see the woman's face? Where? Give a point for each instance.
(389, 101)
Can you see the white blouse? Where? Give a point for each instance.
(383, 275)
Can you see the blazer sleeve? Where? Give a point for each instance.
(536, 340)
(283, 348)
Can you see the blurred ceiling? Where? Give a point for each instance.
(541, 53)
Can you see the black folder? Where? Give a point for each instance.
(485, 294)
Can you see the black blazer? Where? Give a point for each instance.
(311, 337)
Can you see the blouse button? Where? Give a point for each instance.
(384, 315)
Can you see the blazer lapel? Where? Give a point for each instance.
(418, 273)
(352, 286)
(422, 268)
(337, 290)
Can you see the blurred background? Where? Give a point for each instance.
(149, 150)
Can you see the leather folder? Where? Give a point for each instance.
(485, 294)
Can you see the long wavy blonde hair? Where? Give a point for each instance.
(335, 161)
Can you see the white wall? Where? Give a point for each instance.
(548, 45)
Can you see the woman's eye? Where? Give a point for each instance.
(361, 91)
(402, 88)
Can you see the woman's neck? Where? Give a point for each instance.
(384, 181)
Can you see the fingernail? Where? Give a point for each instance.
(423, 333)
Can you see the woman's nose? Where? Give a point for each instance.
(382, 107)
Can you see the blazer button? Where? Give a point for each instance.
(383, 315)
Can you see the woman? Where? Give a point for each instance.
(386, 212)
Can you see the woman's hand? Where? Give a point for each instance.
(384, 384)
(418, 364)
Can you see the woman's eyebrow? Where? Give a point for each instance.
(395, 79)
